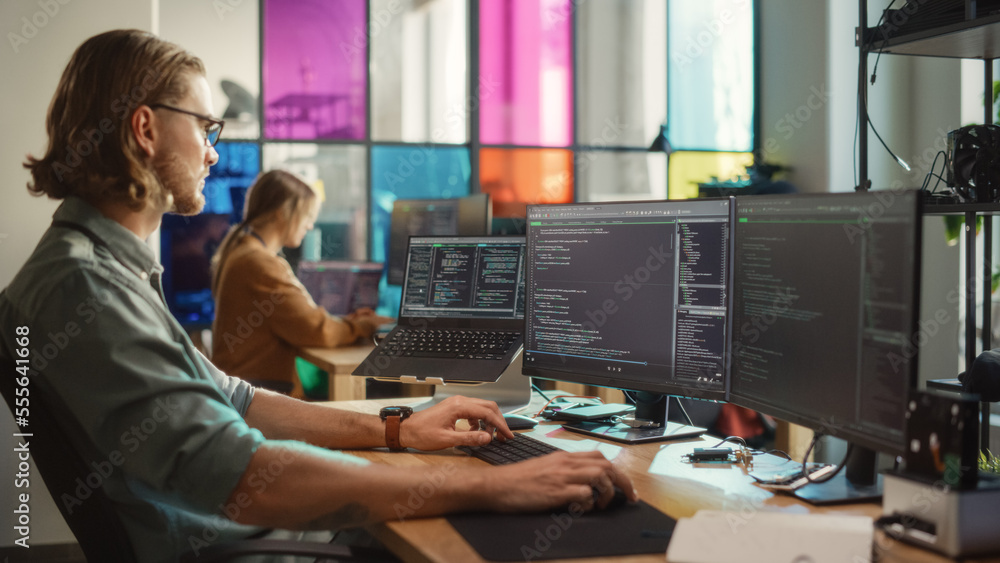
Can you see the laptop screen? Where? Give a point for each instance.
(340, 286)
(464, 277)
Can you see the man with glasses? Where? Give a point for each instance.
(200, 456)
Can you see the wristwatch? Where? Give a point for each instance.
(393, 417)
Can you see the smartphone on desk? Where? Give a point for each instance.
(791, 479)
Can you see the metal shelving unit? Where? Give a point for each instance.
(977, 36)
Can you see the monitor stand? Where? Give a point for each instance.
(857, 482)
(650, 407)
(511, 391)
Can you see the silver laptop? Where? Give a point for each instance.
(461, 316)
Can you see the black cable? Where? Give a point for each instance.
(927, 178)
(900, 161)
(683, 410)
(863, 102)
(741, 441)
(539, 391)
(885, 37)
(805, 458)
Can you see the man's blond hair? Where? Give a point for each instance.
(92, 152)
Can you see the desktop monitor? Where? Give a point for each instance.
(464, 216)
(630, 295)
(187, 244)
(341, 286)
(825, 312)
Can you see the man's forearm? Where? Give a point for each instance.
(298, 487)
(282, 418)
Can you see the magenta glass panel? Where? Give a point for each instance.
(525, 87)
(314, 69)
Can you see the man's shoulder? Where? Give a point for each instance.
(61, 255)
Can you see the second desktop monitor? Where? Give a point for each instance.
(630, 295)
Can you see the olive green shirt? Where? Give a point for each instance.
(138, 394)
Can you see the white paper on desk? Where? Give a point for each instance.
(713, 536)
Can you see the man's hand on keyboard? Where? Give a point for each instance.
(556, 480)
(434, 428)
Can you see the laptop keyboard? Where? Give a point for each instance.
(518, 448)
(455, 343)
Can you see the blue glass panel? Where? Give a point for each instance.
(186, 248)
(188, 243)
(710, 75)
(228, 180)
(410, 172)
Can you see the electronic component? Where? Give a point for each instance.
(710, 454)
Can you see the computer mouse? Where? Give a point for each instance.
(519, 422)
(617, 501)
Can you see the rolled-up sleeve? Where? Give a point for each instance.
(240, 392)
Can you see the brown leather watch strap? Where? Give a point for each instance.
(392, 432)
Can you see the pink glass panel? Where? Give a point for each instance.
(314, 69)
(525, 88)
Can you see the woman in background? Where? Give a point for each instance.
(263, 314)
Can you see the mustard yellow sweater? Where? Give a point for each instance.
(263, 315)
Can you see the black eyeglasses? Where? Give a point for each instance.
(213, 131)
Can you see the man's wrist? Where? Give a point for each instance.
(393, 418)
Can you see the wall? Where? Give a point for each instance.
(794, 104)
(52, 29)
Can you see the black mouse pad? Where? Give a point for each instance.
(629, 530)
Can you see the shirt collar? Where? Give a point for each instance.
(128, 248)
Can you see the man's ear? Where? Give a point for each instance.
(143, 128)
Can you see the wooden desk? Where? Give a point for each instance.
(338, 363)
(677, 488)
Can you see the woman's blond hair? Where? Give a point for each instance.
(274, 193)
(92, 152)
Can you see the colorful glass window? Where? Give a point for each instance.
(412, 172)
(621, 72)
(517, 177)
(525, 88)
(420, 70)
(229, 178)
(315, 69)
(711, 75)
(615, 176)
(339, 174)
(688, 169)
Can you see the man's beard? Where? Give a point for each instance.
(180, 186)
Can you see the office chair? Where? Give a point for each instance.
(95, 523)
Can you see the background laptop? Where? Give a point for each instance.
(455, 290)
(339, 286)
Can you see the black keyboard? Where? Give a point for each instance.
(462, 344)
(518, 448)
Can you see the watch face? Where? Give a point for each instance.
(395, 411)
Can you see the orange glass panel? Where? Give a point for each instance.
(688, 169)
(516, 177)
